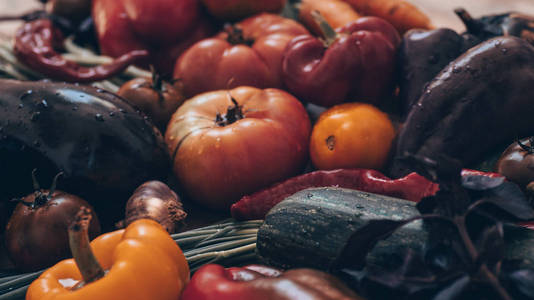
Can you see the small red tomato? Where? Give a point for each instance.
(227, 144)
(517, 162)
(37, 232)
(156, 98)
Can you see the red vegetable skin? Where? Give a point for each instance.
(413, 187)
(248, 53)
(213, 282)
(35, 44)
(125, 25)
(162, 22)
(358, 63)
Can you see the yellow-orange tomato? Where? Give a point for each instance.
(351, 135)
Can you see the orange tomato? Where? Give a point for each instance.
(351, 135)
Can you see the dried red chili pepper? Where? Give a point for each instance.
(35, 44)
(412, 187)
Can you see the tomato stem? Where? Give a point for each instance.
(530, 147)
(40, 198)
(235, 35)
(81, 248)
(233, 114)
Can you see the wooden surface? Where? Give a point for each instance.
(441, 11)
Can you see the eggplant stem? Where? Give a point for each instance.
(80, 247)
(472, 25)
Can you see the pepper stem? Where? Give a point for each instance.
(81, 249)
(329, 34)
(157, 82)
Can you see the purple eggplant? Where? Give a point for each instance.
(102, 144)
(481, 100)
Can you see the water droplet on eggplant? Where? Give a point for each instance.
(99, 117)
(21, 105)
(111, 113)
(26, 94)
(43, 104)
(35, 116)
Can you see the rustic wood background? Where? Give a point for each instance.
(439, 10)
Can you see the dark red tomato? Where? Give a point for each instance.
(517, 162)
(37, 232)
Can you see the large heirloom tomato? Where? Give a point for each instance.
(248, 53)
(226, 144)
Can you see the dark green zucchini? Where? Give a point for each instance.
(311, 228)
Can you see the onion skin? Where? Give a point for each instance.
(156, 201)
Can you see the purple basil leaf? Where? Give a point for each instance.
(481, 182)
(427, 205)
(491, 245)
(517, 207)
(454, 290)
(364, 239)
(521, 283)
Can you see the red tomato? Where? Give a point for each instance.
(222, 152)
(164, 27)
(230, 10)
(162, 22)
(251, 55)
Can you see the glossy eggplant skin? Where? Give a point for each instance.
(481, 100)
(104, 146)
(422, 55)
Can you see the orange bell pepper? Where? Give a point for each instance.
(140, 262)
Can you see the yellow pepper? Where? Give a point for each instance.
(141, 262)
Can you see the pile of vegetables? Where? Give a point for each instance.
(350, 133)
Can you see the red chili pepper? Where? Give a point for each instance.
(412, 187)
(35, 45)
(213, 282)
(355, 63)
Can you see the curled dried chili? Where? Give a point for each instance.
(35, 46)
